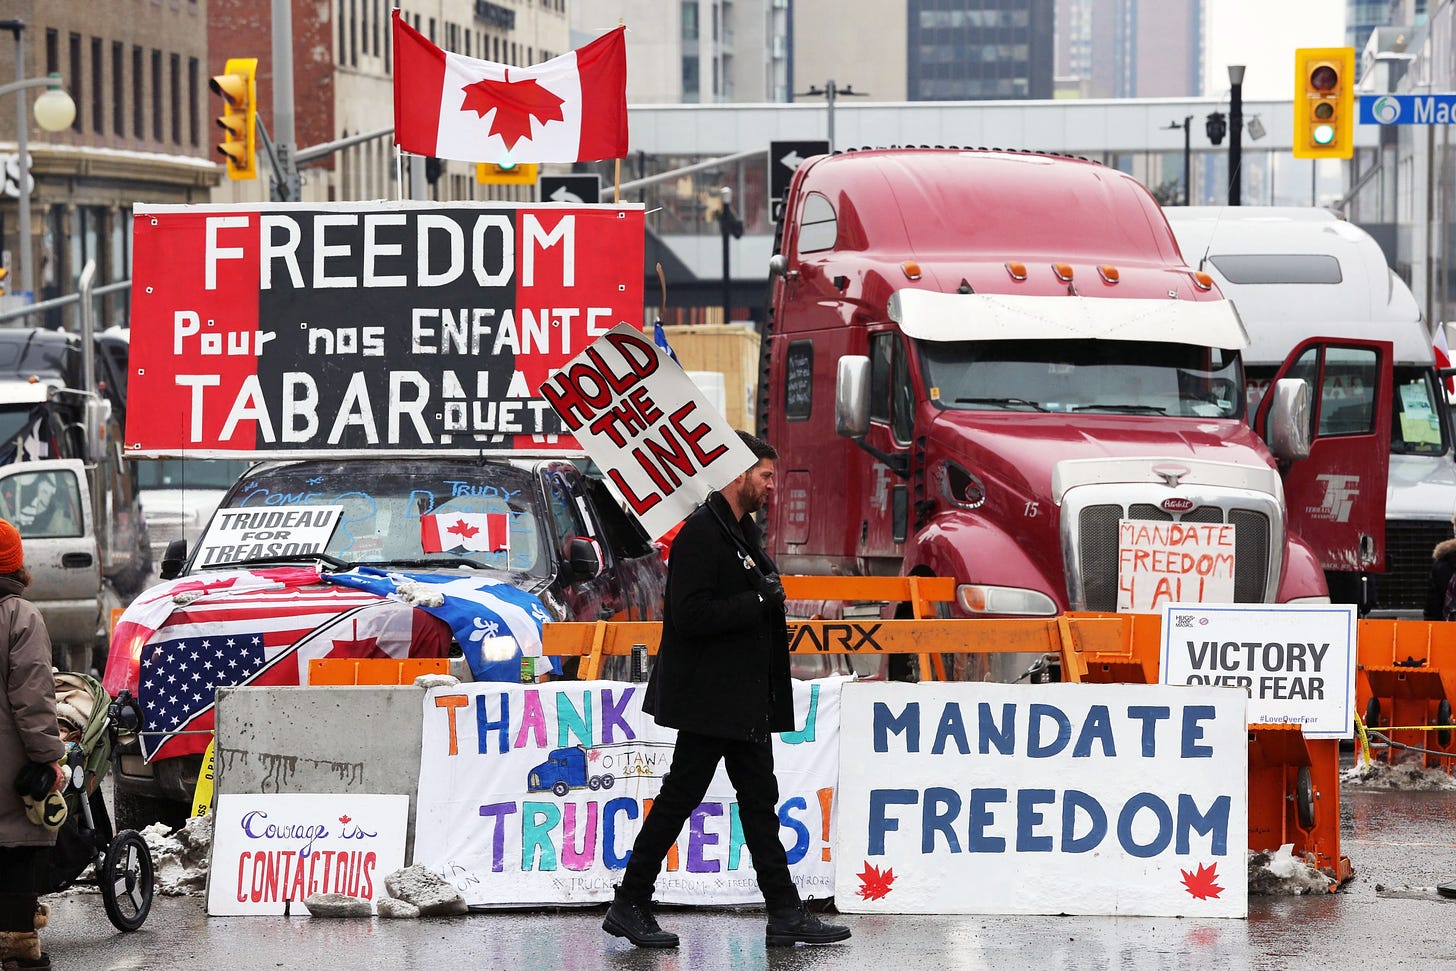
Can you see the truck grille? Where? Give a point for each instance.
(1095, 544)
(1408, 546)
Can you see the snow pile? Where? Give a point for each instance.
(1281, 872)
(418, 594)
(181, 858)
(1408, 774)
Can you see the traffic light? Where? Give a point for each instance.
(506, 173)
(1215, 126)
(1324, 102)
(432, 169)
(239, 119)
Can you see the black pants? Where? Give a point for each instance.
(751, 769)
(23, 871)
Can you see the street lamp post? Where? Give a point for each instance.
(829, 92)
(1187, 156)
(1236, 133)
(54, 111)
(728, 225)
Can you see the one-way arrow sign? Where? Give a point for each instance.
(573, 189)
(783, 159)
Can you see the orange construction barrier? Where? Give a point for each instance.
(1405, 680)
(353, 670)
(1294, 782)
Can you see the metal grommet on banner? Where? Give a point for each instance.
(154, 220)
(149, 289)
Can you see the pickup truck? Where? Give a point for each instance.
(569, 544)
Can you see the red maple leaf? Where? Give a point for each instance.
(344, 820)
(515, 104)
(463, 529)
(874, 885)
(1203, 884)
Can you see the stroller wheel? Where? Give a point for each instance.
(126, 880)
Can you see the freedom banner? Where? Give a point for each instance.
(661, 446)
(568, 109)
(1296, 662)
(533, 794)
(361, 328)
(978, 798)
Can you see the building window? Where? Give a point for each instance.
(690, 21)
(76, 75)
(176, 99)
(378, 22)
(98, 86)
(193, 107)
(118, 89)
(343, 35)
(690, 78)
(157, 132)
(53, 51)
(353, 34)
(138, 95)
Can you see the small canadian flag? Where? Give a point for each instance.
(487, 532)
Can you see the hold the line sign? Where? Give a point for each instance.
(361, 327)
(661, 446)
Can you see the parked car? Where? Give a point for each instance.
(180, 495)
(569, 544)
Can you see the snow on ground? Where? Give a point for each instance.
(1281, 872)
(180, 859)
(1408, 774)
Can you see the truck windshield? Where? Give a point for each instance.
(408, 513)
(1092, 376)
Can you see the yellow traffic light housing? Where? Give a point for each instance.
(1324, 102)
(506, 173)
(4, 273)
(239, 120)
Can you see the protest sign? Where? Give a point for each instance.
(533, 794)
(352, 327)
(1295, 661)
(269, 849)
(1165, 562)
(1042, 799)
(661, 446)
(236, 535)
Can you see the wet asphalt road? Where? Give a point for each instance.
(1394, 839)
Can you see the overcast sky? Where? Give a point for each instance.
(1262, 35)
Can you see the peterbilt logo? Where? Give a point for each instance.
(1176, 504)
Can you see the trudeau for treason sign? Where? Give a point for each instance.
(355, 327)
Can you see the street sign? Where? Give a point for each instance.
(784, 158)
(575, 190)
(1407, 109)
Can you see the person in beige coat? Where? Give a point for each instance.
(28, 734)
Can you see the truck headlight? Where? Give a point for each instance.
(980, 598)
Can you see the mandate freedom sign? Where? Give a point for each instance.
(1295, 661)
(978, 798)
(1161, 562)
(533, 794)
(279, 329)
(272, 848)
(660, 445)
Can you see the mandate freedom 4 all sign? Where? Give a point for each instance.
(361, 327)
(1296, 661)
(978, 798)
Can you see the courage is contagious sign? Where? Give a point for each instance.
(272, 330)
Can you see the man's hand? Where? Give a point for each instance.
(62, 775)
(772, 591)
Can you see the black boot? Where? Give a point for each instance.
(797, 925)
(633, 920)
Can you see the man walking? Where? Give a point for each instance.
(722, 680)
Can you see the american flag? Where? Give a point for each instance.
(262, 638)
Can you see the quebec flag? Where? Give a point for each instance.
(479, 611)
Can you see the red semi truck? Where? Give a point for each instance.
(997, 366)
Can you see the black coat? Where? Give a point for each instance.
(1443, 566)
(722, 667)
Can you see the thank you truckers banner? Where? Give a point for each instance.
(374, 327)
(533, 794)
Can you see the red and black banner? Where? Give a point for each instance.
(386, 327)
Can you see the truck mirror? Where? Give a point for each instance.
(173, 559)
(778, 265)
(98, 412)
(583, 558)
(1288, 430)
(852, 396)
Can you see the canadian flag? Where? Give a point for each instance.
(568, 109)
(487, 532)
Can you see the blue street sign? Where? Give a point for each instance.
(1407, 109)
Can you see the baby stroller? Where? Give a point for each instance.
(123, 862)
